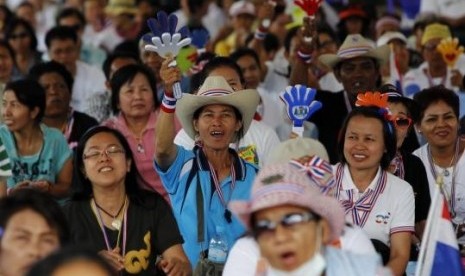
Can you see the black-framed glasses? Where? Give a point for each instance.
(111, 151)
(402, 122)
(267, 227)
(19, 35)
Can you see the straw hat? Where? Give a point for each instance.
(282, 184)
(216, 90)
(117, 7)
(356, 46)
(433, 31)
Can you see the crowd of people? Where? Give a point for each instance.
(104, 171)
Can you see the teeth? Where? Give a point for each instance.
(105, 169)
(359, 156)
(216, 133)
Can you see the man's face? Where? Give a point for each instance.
(358, 74)
(64, 51)
(431, 55)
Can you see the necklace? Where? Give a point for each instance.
(116, 223)
(445, 171)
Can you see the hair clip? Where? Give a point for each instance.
(375, 99)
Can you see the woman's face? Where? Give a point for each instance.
(20, 40)
(136, 98)
(104, 161)
(6, 65)
(16, 115)
(217, 126)
(231, 76)
(399, 111)
(27, 239)
(80, 267)
(287, 248)
(364, 143)
(57, 94)
(439, 125)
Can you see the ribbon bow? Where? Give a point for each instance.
(319, 171)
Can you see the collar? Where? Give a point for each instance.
(202, 162)
(348, 183)
(121, 120)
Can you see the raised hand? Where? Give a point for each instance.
(450, 50)
(309, 6)
(300, 105)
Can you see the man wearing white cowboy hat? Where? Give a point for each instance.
(293, 222)
(201, 182)
(357, 66)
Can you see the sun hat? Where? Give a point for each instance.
(242, 7)
(296, 148)
(117, 7)
(387, 20)
(354, 46)
(216, 90)
(395, 96)
(433, 31)
(387, 37)
(282, 184)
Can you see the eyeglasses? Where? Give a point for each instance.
(402, 122)
(19, 35)
(266, 227)
(111, 152)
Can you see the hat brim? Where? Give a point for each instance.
(324, 206)
(245, 101)
(120, 10)
(381, 54)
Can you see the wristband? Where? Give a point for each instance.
(260, 34)
(305, 57)
(168, 104)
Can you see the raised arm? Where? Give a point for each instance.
(165, 149)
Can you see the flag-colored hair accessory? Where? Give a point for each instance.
(379, 100)
(309, 6)
(319, 171)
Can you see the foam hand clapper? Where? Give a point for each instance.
(300, 105)
(166, 41)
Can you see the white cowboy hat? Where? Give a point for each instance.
(356, 46)
(216, 90)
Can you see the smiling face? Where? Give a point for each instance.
(136, 98)
(288, 248)
(105, 163)
(57, 94)
(217, 125)
(16, 115)
(439, 125)
(357, 75)
(27, 239)
(399, 110)
(251, 71)
(364, 143)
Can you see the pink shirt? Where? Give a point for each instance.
(143, 150)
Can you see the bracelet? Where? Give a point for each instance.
(260, 34)
(168, 104)
(305, 57)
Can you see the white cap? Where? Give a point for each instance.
(242, 7)
(388, 36)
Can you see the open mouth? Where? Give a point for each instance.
(359, 157)
(288, 258)
(217, 134)
(105, 169)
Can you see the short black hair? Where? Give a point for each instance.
(39, 202)
(16, 22)
(127, 74)
(30, 93)
(243, 52)
(218, 62)
(270, 43)
(435, 94)
(389, 134)
(7, 46)
(50, 264)
(60, 33)
(71, 12)
(40, 69)
(114, 56)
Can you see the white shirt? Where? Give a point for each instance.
(449, 8)
(89, 80)
(393, 211)
(254, 147)
(329, 83)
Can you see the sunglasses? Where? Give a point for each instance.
(267, 227)
(402, 122)
(19, 35)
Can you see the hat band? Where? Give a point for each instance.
(276, 188)
(351, 52)
(215, 92)
(394, 94)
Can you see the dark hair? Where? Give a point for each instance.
(389, 135)
(243, 52)
(324, 28)
(127, 74)
(114, 56)
(30, 93)
(50, 264)
(71, 12)
(7, 46)
(130, 46)
(291, 33)
(81, 185)
(270, 43)
(60, 33)
(39, 202)
(239, 134)
(429, 96)
(40, 69)
(18, 22)
(219, 62)
(8, 14)
(197, 78)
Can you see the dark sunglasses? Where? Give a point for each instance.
(264, 226)
(19, 35)
(402, 122)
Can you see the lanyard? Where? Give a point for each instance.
(398, 162)
(347, 102)
(364, 204)
(69, 126)
(430, 78)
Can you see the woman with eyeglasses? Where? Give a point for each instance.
(377, 201)
(22, 38)
(442, 155)
(110, 214)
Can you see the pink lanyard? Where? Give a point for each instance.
(399, 165)
(365, 203)
(216, 182)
